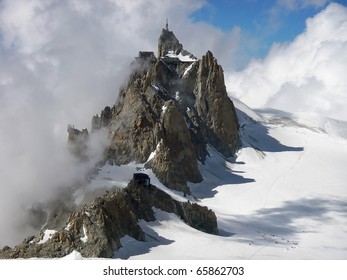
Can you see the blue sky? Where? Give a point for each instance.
(266, 21)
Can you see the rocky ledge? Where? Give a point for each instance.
(95, 230)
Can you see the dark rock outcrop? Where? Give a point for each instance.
(103, 120)
(77, 141)
(96, 230)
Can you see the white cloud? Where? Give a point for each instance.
(307, 74)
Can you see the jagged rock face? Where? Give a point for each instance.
(134, 128)
(175, 161)
(96, 230)
(172, 108)
(215, 107)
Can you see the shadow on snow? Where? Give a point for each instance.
(279, 225)
(256, 135)
(132, 247)
(217, 170)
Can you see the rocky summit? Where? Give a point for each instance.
(172, 107)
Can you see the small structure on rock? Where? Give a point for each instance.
(145, 56)
(142, 179)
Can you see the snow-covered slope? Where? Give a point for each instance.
(284, 196)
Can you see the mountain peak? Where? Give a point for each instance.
(169, 45)
(172, 109)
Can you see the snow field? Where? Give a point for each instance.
(286, 199)
(283, 196)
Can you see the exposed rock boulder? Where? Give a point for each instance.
(96, 230)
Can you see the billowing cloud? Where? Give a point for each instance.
(305, 75)
(60, 63)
